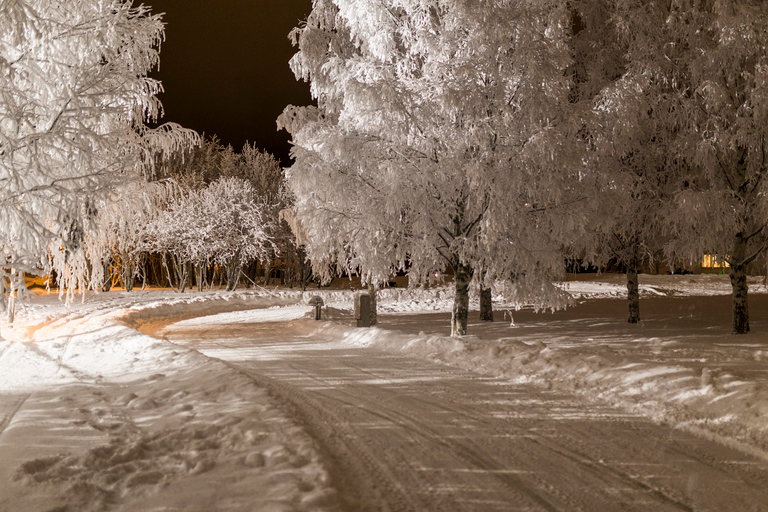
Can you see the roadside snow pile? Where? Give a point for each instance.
(97, 416)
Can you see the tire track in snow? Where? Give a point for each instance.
(350, 458)
(468, 451)
(404, 434)
(15, 403)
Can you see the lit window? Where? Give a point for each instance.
(714, 261)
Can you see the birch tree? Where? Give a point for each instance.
(713, 56)
(239, 228)
(439, 131)
(123, 232)
(74, 102)
(630, 135)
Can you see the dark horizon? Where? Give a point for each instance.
(224, 69)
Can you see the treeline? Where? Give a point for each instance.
(209, 218)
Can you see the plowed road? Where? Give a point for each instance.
(404, 434)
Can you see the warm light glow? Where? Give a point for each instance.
(713, 261)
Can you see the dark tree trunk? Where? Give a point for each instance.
(372, 289)
(127, 274)
(304, 268)
(182, 273)
(144, 272)
(633, 292)
(168, 273)
(233, 274)
(462, 275)
(486, 300)
(107, 284)
(3, 301)
(267, 271)
(13, 290)
(738, 274)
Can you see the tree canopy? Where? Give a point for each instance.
(75, 100)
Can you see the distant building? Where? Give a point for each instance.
(713, 264)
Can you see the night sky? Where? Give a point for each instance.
(224, 67)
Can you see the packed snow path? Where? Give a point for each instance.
(406, 434)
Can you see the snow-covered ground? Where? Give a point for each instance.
(96, 415)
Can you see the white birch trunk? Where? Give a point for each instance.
(372, 290)
(462, 275)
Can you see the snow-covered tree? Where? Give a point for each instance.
(239, 228)
(74, 102)
(439, 139)
(177, 234)
(712, 58)
(123, 233)
(222, 224)
(263, 172)
(195, 167)
(629, 137)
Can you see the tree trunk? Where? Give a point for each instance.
(486, 301)
(12, 298)
(633, 292)
(267, 270)
(462, 275)
(3, 289)
(233, 274)
(182, 272)
(738, 274)
(303, 269)
(168, 271)
(372, 289)
(107, 284)
(128, 274)
(200, 276)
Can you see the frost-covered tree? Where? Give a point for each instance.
(222, 224)
(439, 135)
(123, 232)
(199, 167)
(239, 228)
(263, 172)
(74, 102)
(195, 167)
(630, 138)
(178, 234)
(713, 56)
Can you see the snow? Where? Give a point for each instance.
(96, 414)
(102, 416)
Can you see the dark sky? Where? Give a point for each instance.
(224, 67)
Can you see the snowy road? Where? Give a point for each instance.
(402, 433)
